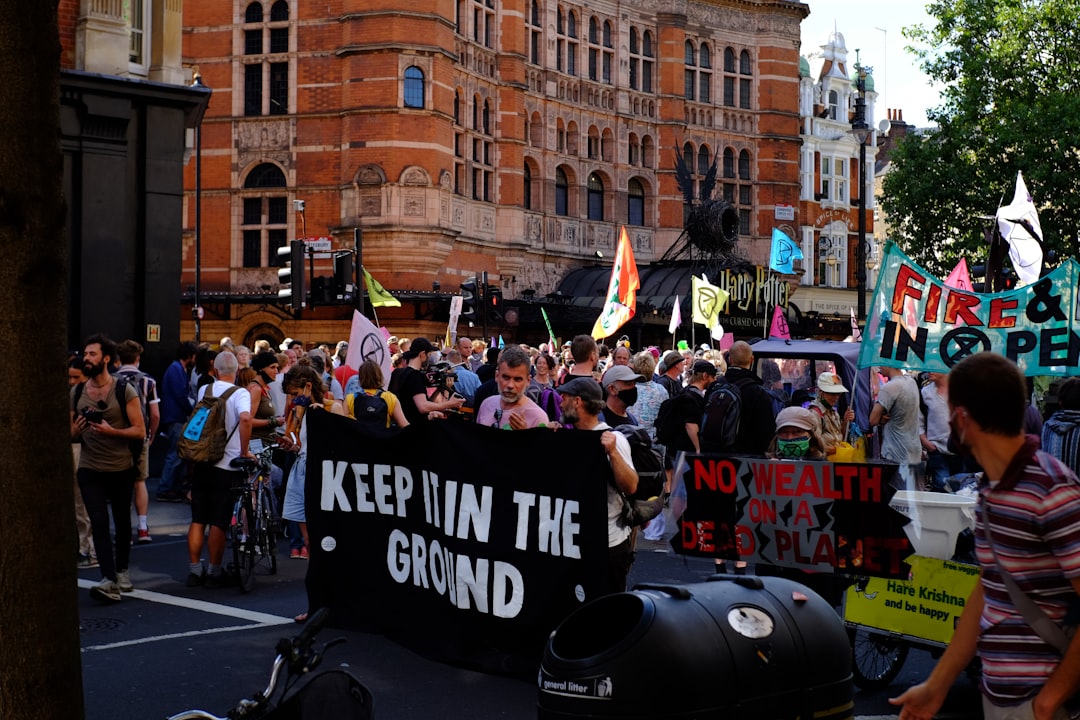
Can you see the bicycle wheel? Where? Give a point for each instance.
(243, 542)
(267, 530)
(876, 659)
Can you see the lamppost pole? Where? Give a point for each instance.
(197, 311)
(861, 131)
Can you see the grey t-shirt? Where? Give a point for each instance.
(900, 436)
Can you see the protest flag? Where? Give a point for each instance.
(959, 278)
(552, 347)
(706, 300)
(367, 342)
(1018, 223)
(856, 333)
(377, 294)
(621, 302)
(779, 328)
(784, 252)
(676, 317)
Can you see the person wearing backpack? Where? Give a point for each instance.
(106, 466)
(582, 401)
(757, 422)
(212, 481)
(129, 352)
(620, 392)
(372, 405)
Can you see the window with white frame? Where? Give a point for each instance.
(834, 179)
(138, 15)
(832, 256)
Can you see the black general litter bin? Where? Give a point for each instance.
(734, 647)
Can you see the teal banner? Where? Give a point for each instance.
(917, 322)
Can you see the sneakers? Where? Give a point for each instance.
(222, 579)
(172, 496)
(304, 553)
(194, 580)
(144, 536)
(106, 591)
(294, 554)
(86, 561)
(123, 581)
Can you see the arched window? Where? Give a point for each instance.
(744, 165)
(688, 156)
(744, 63)
(254, 13)
(635, 202)
(633, 41)
(279, 11)
(729, 60)
(457, 108)
(571, 25)
(265, 216)
(729, 163)
(705, 56)
(703, 160)
(562, 192)
(689, 55)
(528, 188)
(536, 13)
(607, 34)
(596, 197)
(834, 103)
(594, 31)
(487, 117)
(414, 87)
(266, 175)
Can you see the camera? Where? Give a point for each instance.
(92, 415)
(439, 373)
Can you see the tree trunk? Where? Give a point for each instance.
(40, 671)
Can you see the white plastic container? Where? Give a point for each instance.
(936, 520)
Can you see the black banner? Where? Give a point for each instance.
(468, 544)
(817, 516)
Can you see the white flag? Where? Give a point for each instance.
(676, 317)
(366, 342)
(1018, 223)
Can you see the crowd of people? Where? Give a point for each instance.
(935, 426)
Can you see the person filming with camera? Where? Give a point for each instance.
(410, 385)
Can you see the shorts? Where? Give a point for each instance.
(213, 495)
(293, 507)
(1023, 711)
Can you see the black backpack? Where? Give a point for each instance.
(370, 410)
(669, 428)
(648, 500)
(719, 427)
(136, 446)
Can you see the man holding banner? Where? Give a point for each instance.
(582, 403)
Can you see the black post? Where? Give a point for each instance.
(862, 132)
(197, 311)
(482, 298)
(358, 235)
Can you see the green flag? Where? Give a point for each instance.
(377, 293)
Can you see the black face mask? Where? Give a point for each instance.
(629, 397)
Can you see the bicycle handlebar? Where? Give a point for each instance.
(311, 628)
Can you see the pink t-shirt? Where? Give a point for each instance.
(534, 415)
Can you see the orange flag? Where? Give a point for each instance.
(621, 302)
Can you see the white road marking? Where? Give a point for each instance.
(257, 619)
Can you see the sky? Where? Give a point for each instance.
(877, 34)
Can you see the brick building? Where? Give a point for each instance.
(125, 106)
(512, 137)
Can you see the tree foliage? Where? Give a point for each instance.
(1011, 102)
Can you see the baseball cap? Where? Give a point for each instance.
(419, 345)
(703, 367)
(620, 372)
(583, 387)
(671, 359)
(830, 382)
(798, 417)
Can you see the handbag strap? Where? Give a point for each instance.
(1036, 617)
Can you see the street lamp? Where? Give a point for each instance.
(197, 311)
(861, 131)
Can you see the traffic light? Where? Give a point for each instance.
(493, 299)
(469, 301)
(291, 276)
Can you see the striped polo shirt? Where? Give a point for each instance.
(1035, 515)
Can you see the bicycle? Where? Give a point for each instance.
(330, 695)
(253, 527)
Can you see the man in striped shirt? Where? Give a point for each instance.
(1032, 504)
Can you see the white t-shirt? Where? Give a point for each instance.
(617, 532)
(239, 402)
